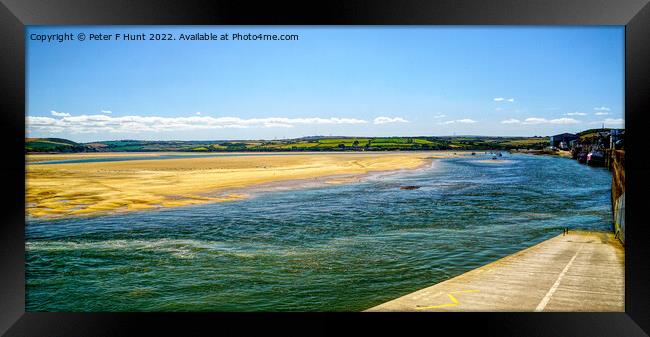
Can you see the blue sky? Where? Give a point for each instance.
(356, 81)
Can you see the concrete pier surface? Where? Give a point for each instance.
(581, 271)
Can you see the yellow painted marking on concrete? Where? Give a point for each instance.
(453, 299)
(593, 282)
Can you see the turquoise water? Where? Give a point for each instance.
(328, 248)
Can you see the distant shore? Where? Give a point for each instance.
(559, 153)
(56, 190)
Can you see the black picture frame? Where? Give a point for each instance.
(15, 15)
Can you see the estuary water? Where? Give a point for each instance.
(341, 247)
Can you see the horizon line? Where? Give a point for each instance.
(315, 136)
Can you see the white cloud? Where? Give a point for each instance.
(602, 108)
(106, 112)
(498, 99)
(37, 120)
(537, 120)
(564, 121)
(601, 113)
(135, 124)
(614, 121)
(466, 120)
(462, 121)
(501, 99)
(511, 121)
(198, 113)
(439, 116)
(277, 125)
(385, 120)
(576, 114)
(59, 114)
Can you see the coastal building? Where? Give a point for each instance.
(616, 138)
(562, 140)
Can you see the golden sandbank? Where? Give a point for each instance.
(55, 190)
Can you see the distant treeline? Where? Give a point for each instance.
(299, 144)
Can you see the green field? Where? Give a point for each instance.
(299, 144)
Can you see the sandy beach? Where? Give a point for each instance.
(56, 190)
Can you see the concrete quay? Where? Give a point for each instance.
(580, 271)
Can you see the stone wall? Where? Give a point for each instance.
(618, 193)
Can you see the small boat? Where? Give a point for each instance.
(595, 158)
(582, 157)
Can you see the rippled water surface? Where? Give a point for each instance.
(340, 247)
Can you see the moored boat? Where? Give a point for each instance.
(582, 157)
(595, 158)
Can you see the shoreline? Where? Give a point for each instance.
(316, 182)
(46, 157)
(96, 188)
(479, 287)
(561, 153)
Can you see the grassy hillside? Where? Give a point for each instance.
(591, 134)
(53, 145)
(299, 144)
